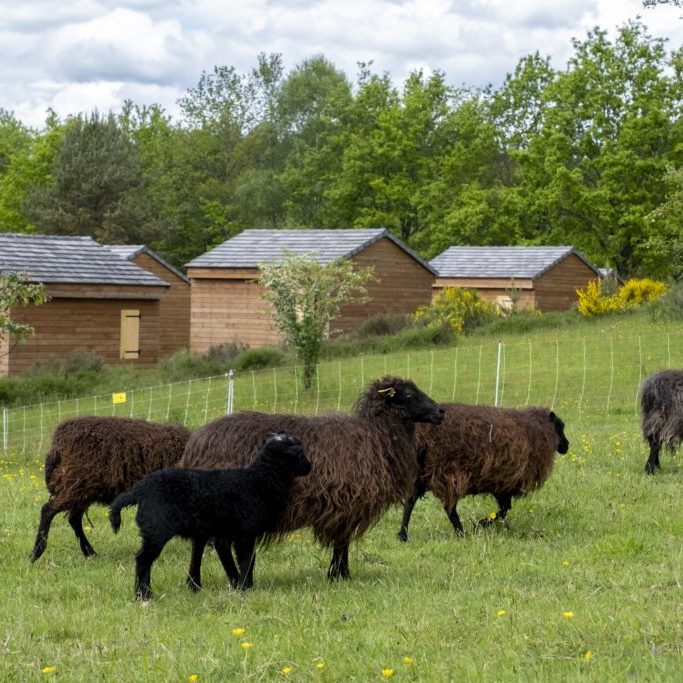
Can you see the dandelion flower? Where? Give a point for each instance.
(568, 615)
(192, 678)
(287, 670)
(408, 660)
(587, 656)
(246, 645)
(48, 669)
(320, 666)
(501, 612)
(493, 515)
(388, 673)
(237, 631)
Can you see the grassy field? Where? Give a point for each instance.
(584, 582)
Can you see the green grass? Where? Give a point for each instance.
(600, 540)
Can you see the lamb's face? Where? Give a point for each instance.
(419, 406)
(286, 447)
(562, 441)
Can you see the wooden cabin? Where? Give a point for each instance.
(98, 303)
(174, 307)
(227, 304)
(543, 278)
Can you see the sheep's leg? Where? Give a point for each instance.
(246, 558)
(339, 566)
(224, 552)
(653, 460)
(47, 514)
(149, 551)
(504, 501)
(455, 520)
(419, 490)
(76, 522)
(194, 573)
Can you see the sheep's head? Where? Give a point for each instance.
(404, 394)
(562, 441)
(288, 451)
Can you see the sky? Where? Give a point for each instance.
(82, 55)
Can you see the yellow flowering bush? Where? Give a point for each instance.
(459, 308)
(593, 300)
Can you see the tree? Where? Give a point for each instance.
(97, 188)
(15, 291)
(306, 297)
(664, 246)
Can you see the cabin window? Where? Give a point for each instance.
(130, 334)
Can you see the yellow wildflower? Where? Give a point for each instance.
(493, 515)
(568, 615)
(48, 669)
(246, 645)
(237, 631)
(408, 660)
(320, 666)
(388, 673)
(587, 655)
(501, 612)
(565, 563)
(287, 670)
(192, 678)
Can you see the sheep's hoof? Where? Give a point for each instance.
(486, 522)
(403, 535)
(649, 469)
(193, 585)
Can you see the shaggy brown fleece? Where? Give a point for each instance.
(362, 463)
(661, 405)
(94, 459)
(483, 449)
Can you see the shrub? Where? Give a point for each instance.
(595, 301)
(461, 309)
(669, 306)
(381, 325)
(258, 359)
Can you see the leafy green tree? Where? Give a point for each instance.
(27, 165)
(664, 245)
(306, 297)
(15, 292)
(97, 185)
(595, 169)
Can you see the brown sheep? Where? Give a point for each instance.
(94, 459)
(483, 449)
(362, 463)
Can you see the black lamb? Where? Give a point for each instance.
(230, 506)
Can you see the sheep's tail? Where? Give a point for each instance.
(124, 500)
(52, 459)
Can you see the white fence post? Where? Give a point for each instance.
(500, 347)
(230, 393)
(5, 430)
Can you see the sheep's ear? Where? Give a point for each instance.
(553, 416)
(389, 392)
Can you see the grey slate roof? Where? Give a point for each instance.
(69, 260)
(501, 262)
(252, 247)
(130, 251)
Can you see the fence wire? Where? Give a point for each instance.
(594, 379)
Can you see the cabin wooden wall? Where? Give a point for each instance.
(556, 289)
(403, 285)
(174, 307)
(65, 325)
(227, 308)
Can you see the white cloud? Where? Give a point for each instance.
(87, 54)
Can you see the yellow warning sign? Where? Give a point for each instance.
(118, 398)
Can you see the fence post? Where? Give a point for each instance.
(500, 346)
(5, 430)
(230, 396)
